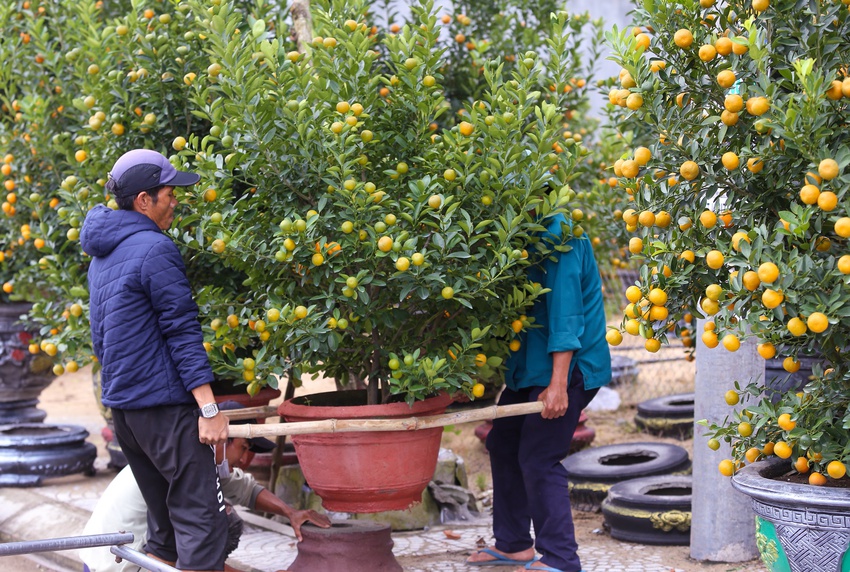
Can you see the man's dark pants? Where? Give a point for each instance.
(176, 474)
(529, 483)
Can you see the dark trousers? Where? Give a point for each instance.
(176, 474)
(529, 482)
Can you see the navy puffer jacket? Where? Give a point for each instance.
(144, 321)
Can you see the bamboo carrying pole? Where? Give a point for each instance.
(363, 425)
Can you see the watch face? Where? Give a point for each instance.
(209, 410)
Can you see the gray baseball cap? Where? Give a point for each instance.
(142, 169)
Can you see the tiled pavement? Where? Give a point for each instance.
(61, 506)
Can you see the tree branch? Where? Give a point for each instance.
(302, 24)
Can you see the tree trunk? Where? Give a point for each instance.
(302, 24)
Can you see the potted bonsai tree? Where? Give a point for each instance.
(381, 249)
(740, 217)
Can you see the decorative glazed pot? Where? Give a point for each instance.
(366, 471)
(799, 527)
(23, 376)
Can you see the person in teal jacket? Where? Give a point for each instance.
(562, 361)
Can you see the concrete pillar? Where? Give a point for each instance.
(723, 524)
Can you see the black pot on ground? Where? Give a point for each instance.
(671, 415)
(779, 381)
(31, 451)
(594, 471)
(650, 510)
(23, 376)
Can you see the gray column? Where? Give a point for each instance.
(723, 524)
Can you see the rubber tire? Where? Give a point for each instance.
(671, 415)
(634, 514)
(593, 471)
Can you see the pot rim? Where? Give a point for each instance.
(427, 406)
(758, 482)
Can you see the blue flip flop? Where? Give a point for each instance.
(500, 560)
(544, 569)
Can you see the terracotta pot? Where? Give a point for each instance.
(582, 437)
(354, 546)
(228, 391)
(369, 471)
(23, 376)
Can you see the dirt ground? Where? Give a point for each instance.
(70, 399)
(611, 427)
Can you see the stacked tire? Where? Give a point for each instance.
(592, 472)
(650, 510)
(669, 416)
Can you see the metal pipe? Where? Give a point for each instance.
(142, 560)
(69, 543)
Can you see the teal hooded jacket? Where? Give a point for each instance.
(571, 317)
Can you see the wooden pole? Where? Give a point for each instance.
(364, 425)
(261, 412)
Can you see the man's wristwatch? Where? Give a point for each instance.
(209, 410)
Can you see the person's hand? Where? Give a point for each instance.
(214, 430)
(299, 517)
(555, 402)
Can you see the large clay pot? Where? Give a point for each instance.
(366, 471)
(23, 376)
(799, 527)
(226, 390)
(353, 546)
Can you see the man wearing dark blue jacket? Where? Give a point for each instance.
(155, 372)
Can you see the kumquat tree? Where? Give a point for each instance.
(739, 180)
(377, 243)
(359, 213)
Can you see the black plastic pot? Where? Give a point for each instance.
(23, 376)
(650, 510)
(778, 381)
